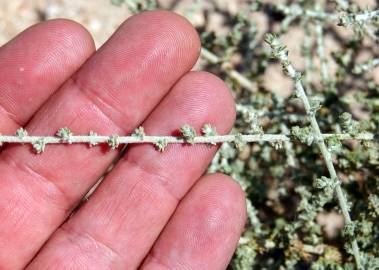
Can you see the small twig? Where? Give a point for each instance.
(307, 53)
(234, 74)
(288, 146)
(345, 19)
(321, 52)
(97, 139)
(366, 66)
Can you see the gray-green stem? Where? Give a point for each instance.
(321, 52)
(96, 139)
(234, 74)
(281, 53)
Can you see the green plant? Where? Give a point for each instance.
(288, 181)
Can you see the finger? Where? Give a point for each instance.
(34, 64)
(116, 228)
(114, 90)
(204, 231)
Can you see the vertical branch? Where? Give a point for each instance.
(288, 146)
(307, 54)
(321, 53)
(366, 66)
(281, 53)
(234, 74)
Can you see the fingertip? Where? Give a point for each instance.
(219, 96)
(173, 22)
(205, 229)
(69, 33)
(166, 30)
(223, 194)
(204, 99)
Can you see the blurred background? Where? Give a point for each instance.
(100, 17)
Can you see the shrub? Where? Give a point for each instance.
(299, 157)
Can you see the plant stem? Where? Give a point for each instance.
(288, 146)
(321, 52)
(307, 53)
(234, 74)
(295, 10)
(366, 66)
(365, 16)
(281, 53)
(172, 139)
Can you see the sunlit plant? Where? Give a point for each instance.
(297, 157)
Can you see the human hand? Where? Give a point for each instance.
(153, 210)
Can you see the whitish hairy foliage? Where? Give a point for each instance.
(301, 158)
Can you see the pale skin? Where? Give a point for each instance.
(154, 210)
